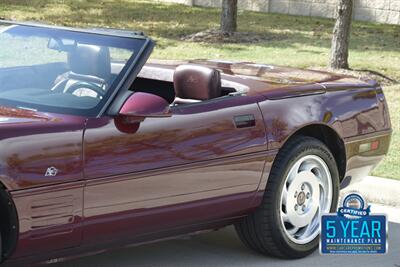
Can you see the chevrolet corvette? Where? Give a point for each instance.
(102, 148)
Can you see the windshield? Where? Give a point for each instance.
(61, 71)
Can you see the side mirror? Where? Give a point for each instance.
(142, 105)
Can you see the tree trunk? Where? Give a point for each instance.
(341, 36)
(229, 16)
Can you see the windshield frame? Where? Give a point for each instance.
(143, 48)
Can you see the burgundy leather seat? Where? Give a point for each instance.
(195, 83)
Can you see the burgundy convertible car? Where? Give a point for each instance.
(100, 149)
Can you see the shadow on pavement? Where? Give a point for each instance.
(223, 248)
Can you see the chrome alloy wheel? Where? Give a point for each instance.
(306, 194)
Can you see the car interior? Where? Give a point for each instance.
(88, 66)
(81, 81)
(89, 71)
(190, 84)
(186, 84)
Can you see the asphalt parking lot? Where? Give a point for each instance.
(223, 248)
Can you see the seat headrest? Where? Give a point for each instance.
(90, 60)
(197, 82)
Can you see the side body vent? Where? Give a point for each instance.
(53, 214)
(49, 218)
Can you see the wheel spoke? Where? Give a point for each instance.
(320, 183)
(307, 166)
(285, 217)
(308, 230)
(284, 195)
(315, 214)
(293, 172)
(310, 227)
(294, 230)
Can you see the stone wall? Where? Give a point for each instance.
(383, 11)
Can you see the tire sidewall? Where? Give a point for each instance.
(1, 249)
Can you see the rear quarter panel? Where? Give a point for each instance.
(356, 112)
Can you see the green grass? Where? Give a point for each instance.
(390, 167)
(293, 40)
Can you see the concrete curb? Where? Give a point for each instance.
(392, 213)
(378, 190)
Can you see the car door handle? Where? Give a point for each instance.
(244, 121)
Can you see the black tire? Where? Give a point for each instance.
(1, 249)
(262, 230)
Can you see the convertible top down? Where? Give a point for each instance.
(101, 148)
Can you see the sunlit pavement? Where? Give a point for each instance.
(223, 248)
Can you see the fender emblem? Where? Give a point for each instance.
(51, 171)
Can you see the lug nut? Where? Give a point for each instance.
(303, 208)
(302, 187)
(296, 207)
(308, 195)
(295, 194)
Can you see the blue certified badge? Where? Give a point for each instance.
(353, 230)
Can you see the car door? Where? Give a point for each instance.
(203, 163)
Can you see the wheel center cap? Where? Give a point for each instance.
(301, 198)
